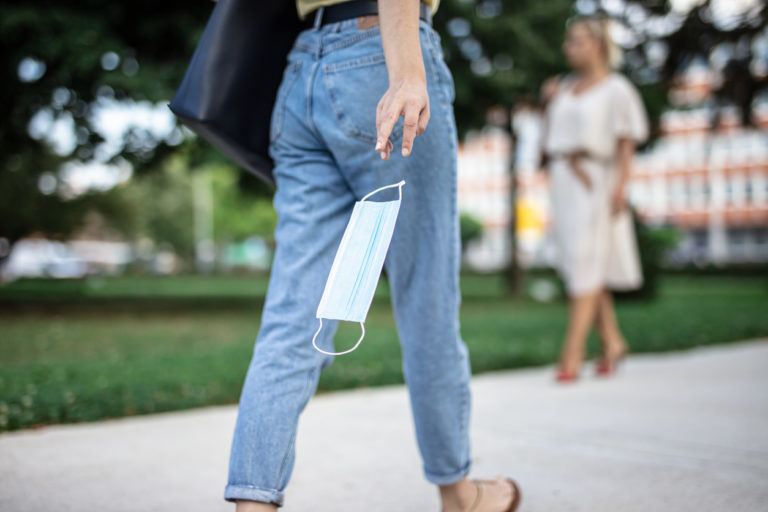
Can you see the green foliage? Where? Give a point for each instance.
(656, 55)
(159, 208)
(239, 214)
(82, 53)
(654, 244)
(123, 346)
(68, 40)
(522, 44)
(470, 227)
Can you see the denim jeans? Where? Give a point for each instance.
(323, 132)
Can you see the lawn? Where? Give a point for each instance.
(109, 347)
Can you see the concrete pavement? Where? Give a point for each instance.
(682, 431)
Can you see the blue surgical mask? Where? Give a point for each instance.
(357, 266)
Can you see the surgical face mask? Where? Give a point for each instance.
(357, 266)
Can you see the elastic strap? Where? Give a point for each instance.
(314, 343)
(398, 184)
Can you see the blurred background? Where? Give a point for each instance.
(135, 258)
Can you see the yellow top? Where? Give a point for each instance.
(304, 7)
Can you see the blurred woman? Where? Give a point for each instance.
(594, 118)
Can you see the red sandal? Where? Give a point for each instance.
(564, 376)
(606, 368)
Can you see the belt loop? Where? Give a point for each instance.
(319, 17)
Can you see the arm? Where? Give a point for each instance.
(631, 128)
(407, 93)
(626, 154)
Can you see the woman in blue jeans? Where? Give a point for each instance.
(352, 91)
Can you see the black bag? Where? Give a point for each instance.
(229, 88)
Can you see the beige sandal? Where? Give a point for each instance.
(512, 506)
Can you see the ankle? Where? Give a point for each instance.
(254, 506)
(457, 496)
(570, 361)
(617, 345)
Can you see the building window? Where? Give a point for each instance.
(761, 243)
(737, 243)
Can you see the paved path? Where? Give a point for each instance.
(677, 432)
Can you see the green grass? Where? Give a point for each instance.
(135, 287)
(91, 349)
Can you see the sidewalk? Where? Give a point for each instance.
(676, 432)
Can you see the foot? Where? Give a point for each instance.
(495, 495)
(613, 352)
(568, 369)
(563, 375)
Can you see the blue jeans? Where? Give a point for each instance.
(323, 132)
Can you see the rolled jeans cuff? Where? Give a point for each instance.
(248, 492)
(450, 478)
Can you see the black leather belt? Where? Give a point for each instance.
(354, 8)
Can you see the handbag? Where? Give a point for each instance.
(229, 88)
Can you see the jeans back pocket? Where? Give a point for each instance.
(355, 87)
(290, 73)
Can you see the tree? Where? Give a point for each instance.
(62, 58)
(661, 41)
(499, 51)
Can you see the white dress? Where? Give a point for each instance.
(595, 248)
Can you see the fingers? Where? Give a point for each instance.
(619, 202)
(384, 148)
(423, 120)
(385, 121)
(410, 126)
(387, 150)
(583, 177)
(415, 112)
(574, 160)
(575, 165)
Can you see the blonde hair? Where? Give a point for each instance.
(599, 27)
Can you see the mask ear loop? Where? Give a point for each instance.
(398, 184)
(362, 335)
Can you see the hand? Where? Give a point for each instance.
(574, 160)
(618, 200)
(543, 160)
(406, 97)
